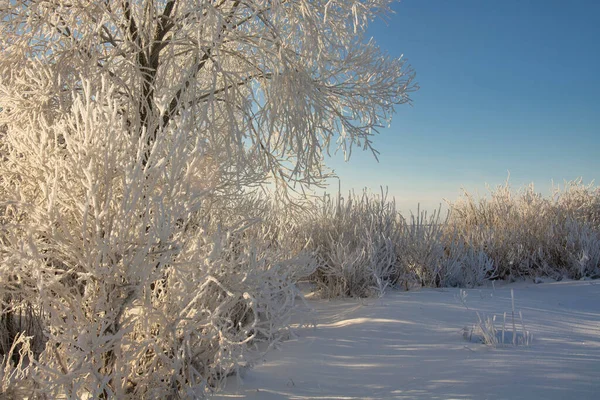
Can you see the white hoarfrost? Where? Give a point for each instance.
(131, 135)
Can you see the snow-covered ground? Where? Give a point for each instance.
(409, 345)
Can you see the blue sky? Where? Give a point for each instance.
(505, 86)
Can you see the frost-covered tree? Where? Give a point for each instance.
(269, 81)
(119, 121)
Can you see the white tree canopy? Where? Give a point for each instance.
(264, 86)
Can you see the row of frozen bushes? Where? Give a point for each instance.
(364, 246)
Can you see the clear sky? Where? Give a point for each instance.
(506, 85)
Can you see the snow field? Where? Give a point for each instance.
(408, 345)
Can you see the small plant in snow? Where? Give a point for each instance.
(487, 331)
(462, 297)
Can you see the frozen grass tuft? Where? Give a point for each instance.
(487, 330)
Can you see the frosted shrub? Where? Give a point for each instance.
(509, 228)
(467, 266)
(582, 245)
(131, 301)
(578, 201)
(356, 242)
(421, 257)
(524, 234)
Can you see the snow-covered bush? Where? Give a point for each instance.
(582, 247)
(466, 265)
(356, 241)
(365, 246)
(131, 301)
(578, 201)
(422, 257)
(508, 228)
(524, 234)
